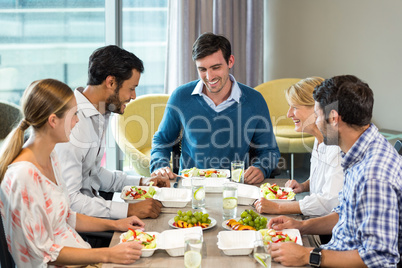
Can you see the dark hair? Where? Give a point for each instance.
(349, 96)
(112, 60)
(209, 43)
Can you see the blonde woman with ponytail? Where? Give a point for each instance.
(40, 227)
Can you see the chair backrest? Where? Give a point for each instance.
(10, 115)
(141, 119)
(134, 130)
(274, 94)
(6, 260)
(398, 146)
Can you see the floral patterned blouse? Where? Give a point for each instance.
(36, 214)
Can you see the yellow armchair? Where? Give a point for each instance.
(134, 130)
(289, 141)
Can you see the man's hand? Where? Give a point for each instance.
(132, 222)
(165, 172)
(283, 222)
(253, 175)
(263, 205)
(149, 208)
(290, 254)
(159, 181)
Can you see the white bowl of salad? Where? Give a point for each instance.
(147, 239)
(285, 235)
(276, 193)
(206, 173)
(133, 194)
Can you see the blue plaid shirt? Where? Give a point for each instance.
(370, 209)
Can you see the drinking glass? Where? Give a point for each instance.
(198, 192)
(192, 250)
(229, 200)
(237, 171)
(262, 253)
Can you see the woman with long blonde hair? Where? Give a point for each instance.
(40, 227)
(326, 175)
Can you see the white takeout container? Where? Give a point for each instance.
(237, 243)
(212, 185)
(129, 199)
(173, 197)
(171, 240)
(247, 194)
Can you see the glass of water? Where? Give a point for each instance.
(237, 171)
(262, 253)
(192, 250)
(229, 200)
(198, 192)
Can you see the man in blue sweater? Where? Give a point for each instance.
(220, 119)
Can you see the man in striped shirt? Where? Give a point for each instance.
(366, 226)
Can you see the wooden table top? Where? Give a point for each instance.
(212, 256)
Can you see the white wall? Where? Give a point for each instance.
(327, 38)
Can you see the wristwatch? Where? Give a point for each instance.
(315, 257)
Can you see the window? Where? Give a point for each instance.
(145, 34)
(47, 39)
(54, 38)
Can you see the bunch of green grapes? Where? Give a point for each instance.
(251, 218)
(193, 218)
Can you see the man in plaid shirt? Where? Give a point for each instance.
(366, 226)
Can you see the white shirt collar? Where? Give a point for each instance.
(235, 93)
(84, 105)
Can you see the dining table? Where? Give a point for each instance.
(212, 256)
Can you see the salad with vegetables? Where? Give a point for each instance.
(275, 192)
(272, 236)
(147, 240)
(138, 193)
(207, 173)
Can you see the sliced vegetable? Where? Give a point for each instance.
(138, 193)
(275, 192)
(148, 241)
(272, 236)
(207, 173)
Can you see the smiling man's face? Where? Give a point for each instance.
(214, 72)
(329, 132)
(116, 103)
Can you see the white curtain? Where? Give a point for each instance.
(241, 21)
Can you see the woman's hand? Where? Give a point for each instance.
(295, 186)
(132, 222)
(125, 253)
